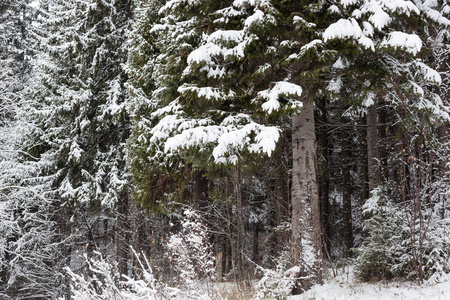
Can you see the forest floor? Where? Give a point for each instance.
(346, 287)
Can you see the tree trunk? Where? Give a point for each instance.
(255, 245)
(240, 234)
(400, 163)
(346, 159)
(306, 233)
(444, 139)
(282, 194)
(364, 174)
(324, 172)
(122, 232)
(201, 191)
(383, 144)
(372, 147)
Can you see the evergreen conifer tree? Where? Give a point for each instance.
(75, 122)
(30, 249)
(15, 53)
(382, 62)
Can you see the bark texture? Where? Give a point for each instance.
(323, 164)
(346, 156)
(201, 198)
(122, 233)
(306, 233)
(372, 149)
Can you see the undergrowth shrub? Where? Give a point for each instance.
(403, 240)
(276, 283)
(190, 254)
(102, 282)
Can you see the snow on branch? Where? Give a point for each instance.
(429, 74)
(381, 11)
(349, 29)
(280, 89)
(410, 42)
(208, 93)
(193, 137)
(228, 140)
(236, 140)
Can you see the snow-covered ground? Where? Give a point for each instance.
(346, 288)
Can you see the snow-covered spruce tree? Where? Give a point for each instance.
(226, 91)
(276, 283)
(77, 122)
(15, 53)
(402, 242)
(381, 55)
(242, 59)
(220, 89)
(177, 28)
(385, 55)
(307, 61)
(149, 171)
(30, 249)
(158, 179)
(439, 41)
(32, 256)
(381, 256)
(191, 255)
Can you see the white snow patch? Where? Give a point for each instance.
(204, 53)
(406, 7)
(428, 73)
(335, 85)
(346, 3)
(334, 9)
(410, 42)
(339, 64)
(226, 35)
(256, 18)
(194, 137)
(348, 29)
(300, 21)
(208, 93)
(368, 29)
(343, 29)
(344, 286)
(369, 100)
(380, 18)
(279, 89)
(235, 140)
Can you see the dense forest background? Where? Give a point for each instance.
(148, 147)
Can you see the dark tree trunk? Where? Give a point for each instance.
(201, 198)
(444, 139)
(255, 245)
(281, 194)
(364, 174)
(372, 147)
(383, 144)
(240, 233)
(122, 233)
(400, 163)
(346, 159)
(324, 172)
